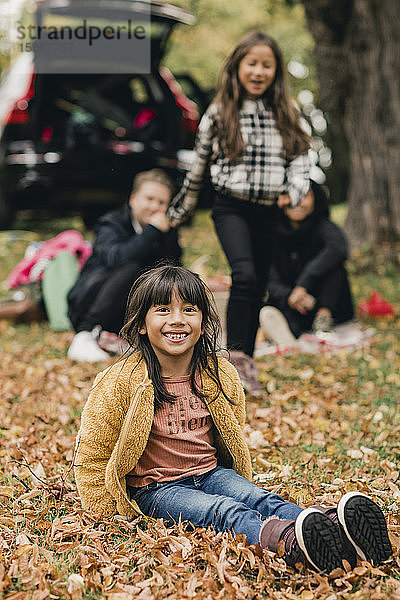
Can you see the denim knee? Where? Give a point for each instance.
(236, 517)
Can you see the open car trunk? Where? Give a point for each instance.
(74, 112)
(81, 112)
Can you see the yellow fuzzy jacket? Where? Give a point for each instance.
(116, 423)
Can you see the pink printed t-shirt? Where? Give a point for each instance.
(181, 441)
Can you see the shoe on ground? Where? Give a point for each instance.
(248, 372)
(276, 327)
(365, 526)
(21, 311)
(84, 348)
(322, 324)
(318, 538)
(349, 553)
(113, 343)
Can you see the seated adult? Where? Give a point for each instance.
(308, 285)
(128, 240)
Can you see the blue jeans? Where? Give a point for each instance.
(219, 498)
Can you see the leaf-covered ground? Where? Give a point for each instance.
(327, 424)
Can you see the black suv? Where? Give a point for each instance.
(71, 143)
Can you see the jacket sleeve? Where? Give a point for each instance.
(116, 248)
(298, 178)
(278, 290)
(101, 423)
(184, 203)
(333, 253)
(239, 408)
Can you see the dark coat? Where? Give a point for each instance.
(305, 254)
(117, 244)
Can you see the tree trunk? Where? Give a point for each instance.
(357, 51)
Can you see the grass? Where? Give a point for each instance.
(328, 424)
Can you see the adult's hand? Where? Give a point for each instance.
(301, 300)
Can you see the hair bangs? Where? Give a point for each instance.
(159, 289)
(192, 290)
(187, 286)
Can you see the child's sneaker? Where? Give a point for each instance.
(248, 372)
(113, 343)
(318, 538)
(276, 327)
(84, 348)
(365, 526)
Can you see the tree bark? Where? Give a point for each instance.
(358, 56)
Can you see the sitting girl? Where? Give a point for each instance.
(162, 435)
(308, 285)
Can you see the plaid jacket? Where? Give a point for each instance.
(259, 176)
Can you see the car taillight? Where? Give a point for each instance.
(144, 117)
(19, 114)
(47, 134)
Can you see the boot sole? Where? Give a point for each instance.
(365, 526)
(319, 539)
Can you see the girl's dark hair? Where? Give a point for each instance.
(231, 94)
(155, 287)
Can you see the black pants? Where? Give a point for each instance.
(108, 306)
(331, 291)
(247, 235)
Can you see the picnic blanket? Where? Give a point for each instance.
(348, 337)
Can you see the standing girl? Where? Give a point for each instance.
(162, 435)
(251, 142)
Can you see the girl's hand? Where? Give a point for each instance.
(175, 222)
(283, 200)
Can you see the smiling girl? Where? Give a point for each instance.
(252, 145)
(162, 435)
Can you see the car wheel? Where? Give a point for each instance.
(7, 212)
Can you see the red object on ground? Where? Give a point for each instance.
(375, 306)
